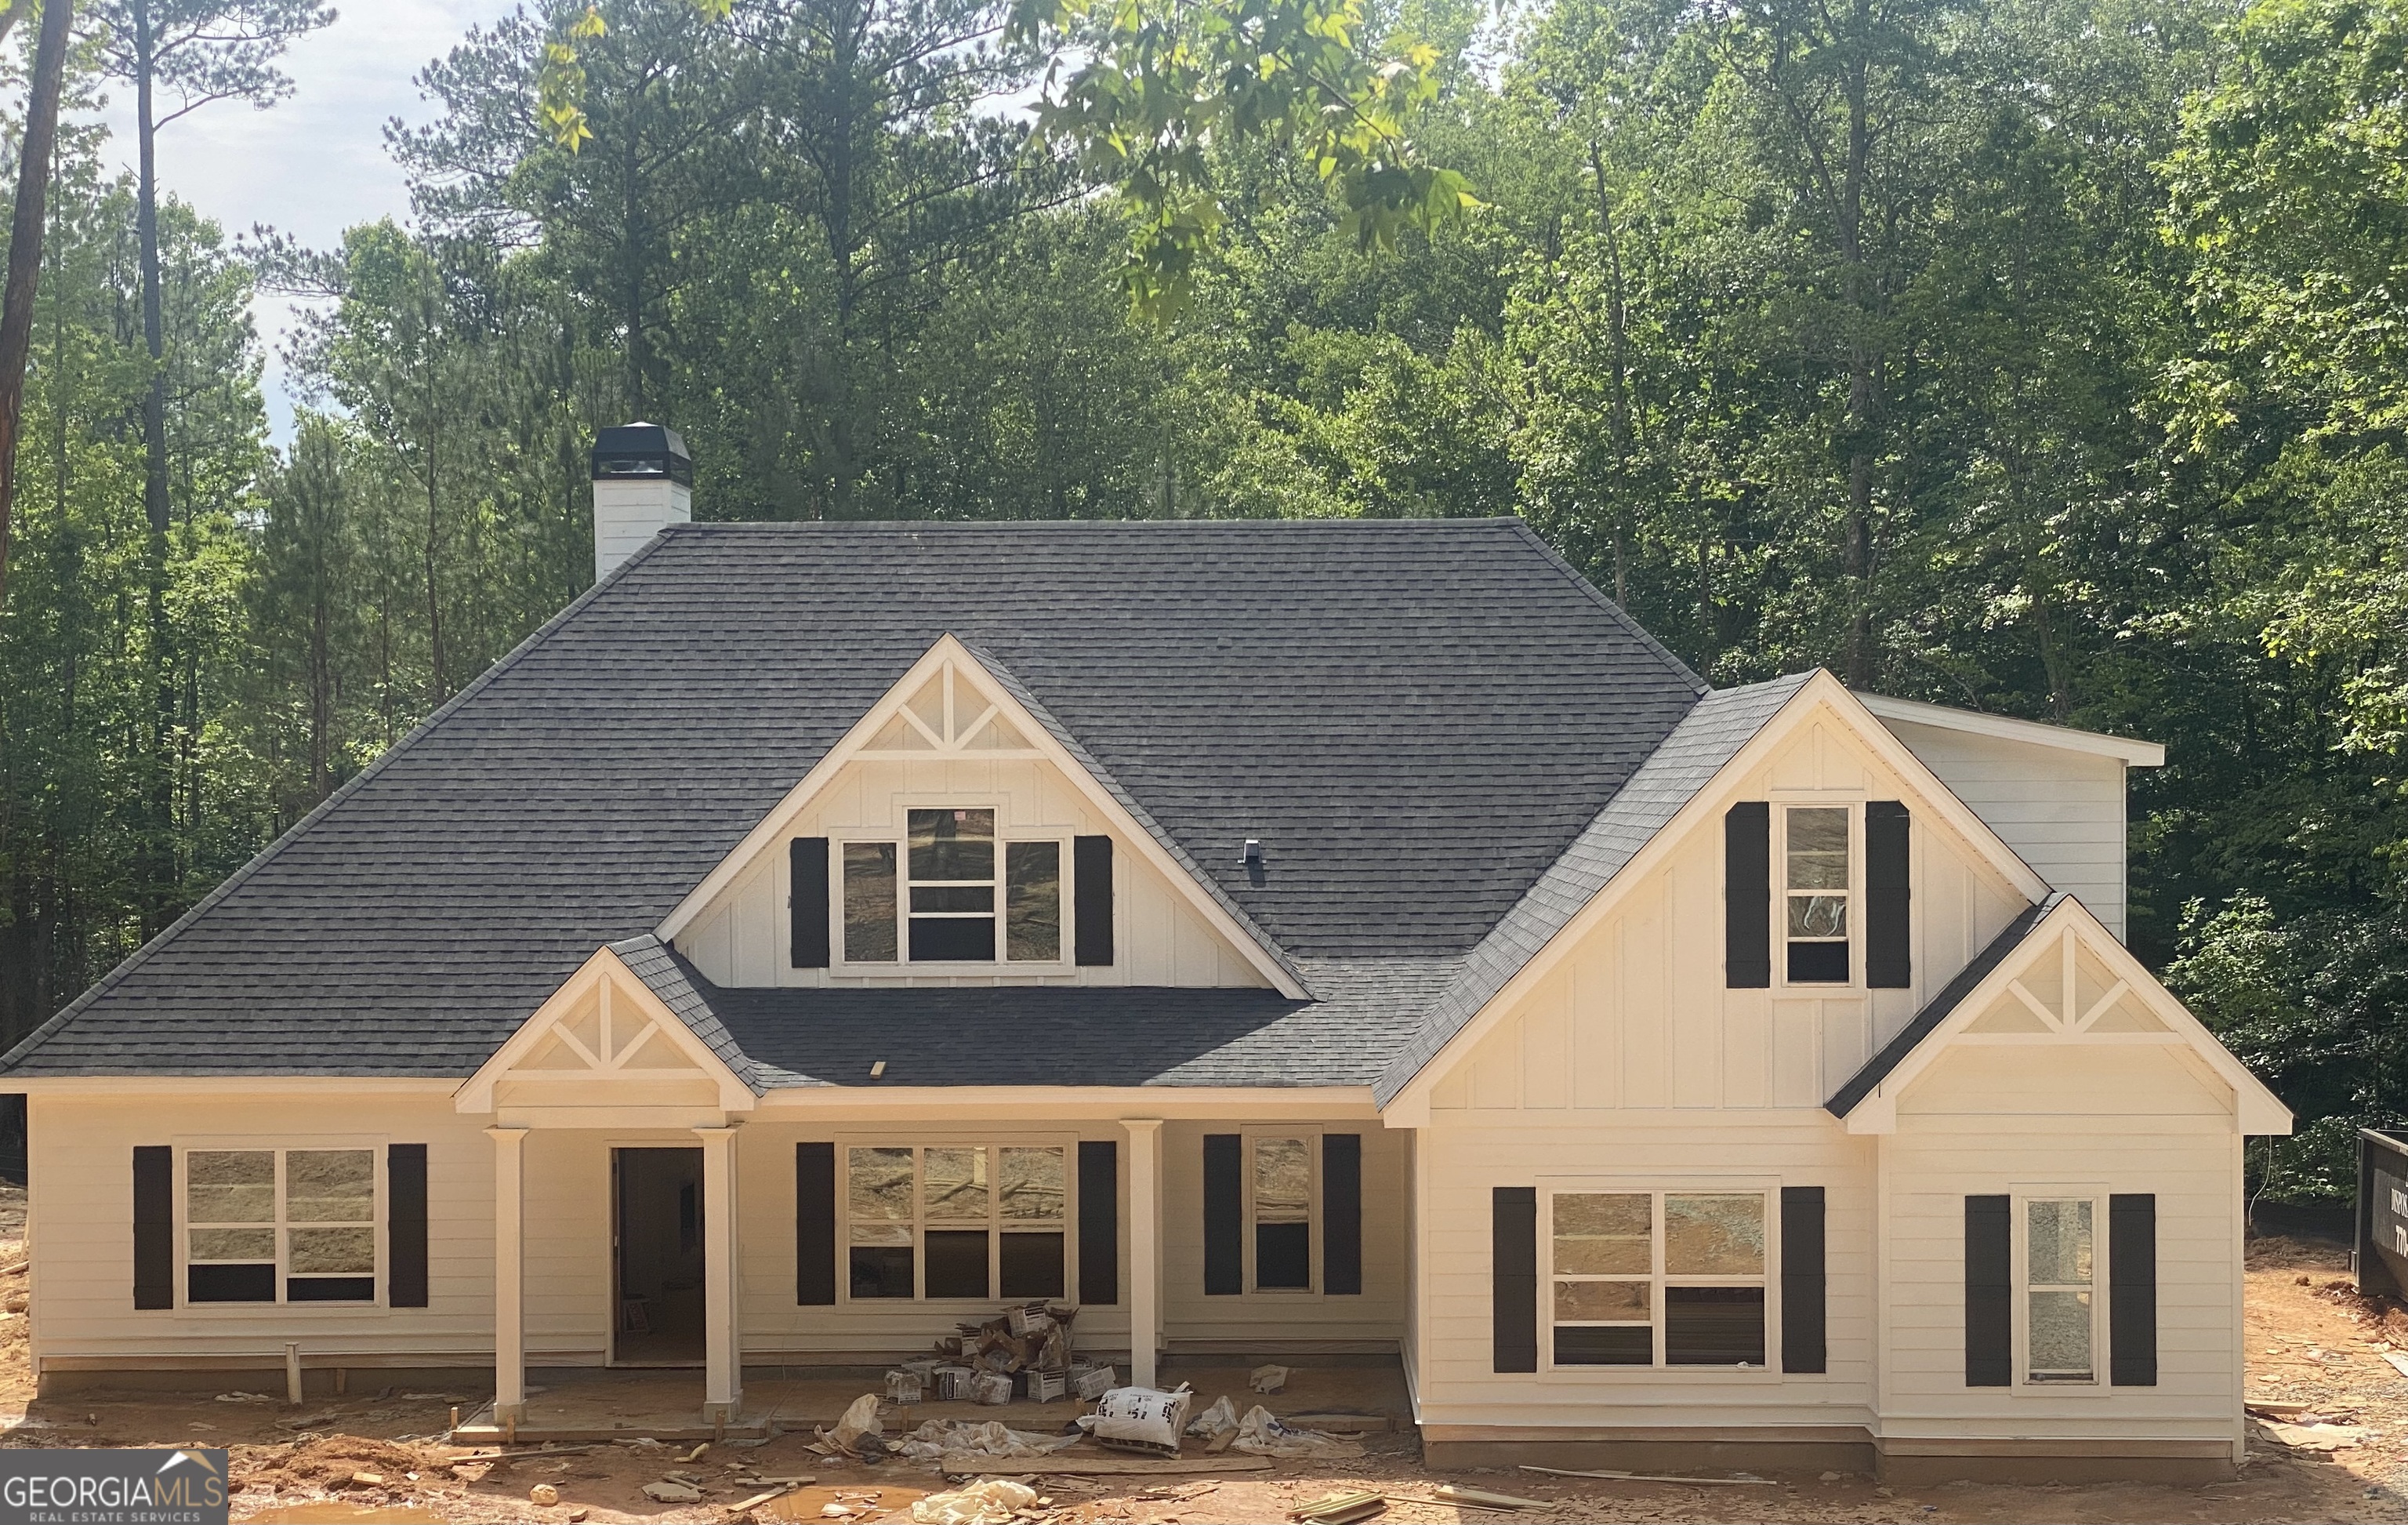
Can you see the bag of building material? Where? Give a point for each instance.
(1262, 1433)
(1144, 1419)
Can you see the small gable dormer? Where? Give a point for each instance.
(956, 836)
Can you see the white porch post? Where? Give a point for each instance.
(722, 1392)
(509, 1278)
(1145, 1247)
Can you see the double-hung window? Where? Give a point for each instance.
(952, 891)
(1658, 1279)
(2060, 1305)
(978, 1221)
(1817, 885)
(296, 1222)
(1281, 1190)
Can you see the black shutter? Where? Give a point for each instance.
(807, 903)
(1889, 962)
(1099, 1222)
(1342, 1214)
(154, 1226)
(1989, 1294)
(405, 1227)
(1802, 1279)
(1747, 896)
(2132, 1290)
(1091, 913)
(814, 1224)
(1514, 1278)
(1224, 1216)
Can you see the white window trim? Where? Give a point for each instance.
(281, 1144)
(1316, 1249)
(1781, 804)
(2018, 1248)
(1661, 1184)
(898, 836)
(996, 1225)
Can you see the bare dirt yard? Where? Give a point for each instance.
(2316, 1363)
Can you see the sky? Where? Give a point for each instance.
(315, 163)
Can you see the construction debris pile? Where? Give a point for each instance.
(1023, 1352)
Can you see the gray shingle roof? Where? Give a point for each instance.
(1708, 737)
(1937, 1008)
(1040, 1035)
(1417, 719)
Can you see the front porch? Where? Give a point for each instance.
(570, 1405)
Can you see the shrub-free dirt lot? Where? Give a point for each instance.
(2311, 1342)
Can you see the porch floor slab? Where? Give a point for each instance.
(667, 1406)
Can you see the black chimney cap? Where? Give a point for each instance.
(641, 450)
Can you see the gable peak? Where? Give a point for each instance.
(949, 704)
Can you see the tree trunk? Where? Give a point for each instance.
(25, 246)
(1863, 361)
(157, 891)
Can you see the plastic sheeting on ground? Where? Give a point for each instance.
(939, 1438)
(989, 1501)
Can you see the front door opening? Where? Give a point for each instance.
(657, 1235)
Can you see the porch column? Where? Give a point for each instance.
(723, 1384)
(1145, 1247)
(509, 1278)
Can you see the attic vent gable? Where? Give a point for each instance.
(951, 712)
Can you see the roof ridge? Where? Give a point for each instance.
(1614, 610)
(33, 1040)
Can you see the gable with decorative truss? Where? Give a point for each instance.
(955, 735)
(604, 1038)
(2066, 1021)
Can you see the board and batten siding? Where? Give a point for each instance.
(742, 937)
(1637, 1016)
(2061, 810)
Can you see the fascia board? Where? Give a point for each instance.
(475, 1095)
(2130, 751)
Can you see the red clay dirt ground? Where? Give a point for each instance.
(2311, 1342)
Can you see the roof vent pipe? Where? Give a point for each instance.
(643, 483)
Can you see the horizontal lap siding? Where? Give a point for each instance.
(82, 1241)
(1376, 1314)
(775, 1325)
(1462, 1157)
(2158, 1138)
(2062, 811)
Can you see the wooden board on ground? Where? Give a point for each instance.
(970, 1463)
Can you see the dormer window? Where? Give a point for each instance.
(957, 881)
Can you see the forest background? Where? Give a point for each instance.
(2045, 357)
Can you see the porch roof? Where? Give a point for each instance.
(1052, 1035)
